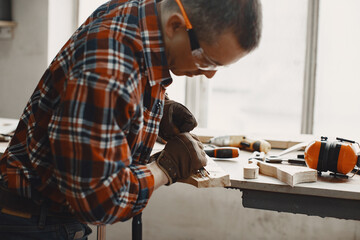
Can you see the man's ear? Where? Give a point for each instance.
(174, 23)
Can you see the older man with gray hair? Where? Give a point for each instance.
(81, 151)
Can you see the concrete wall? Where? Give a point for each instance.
(176, 212)
(23, 59)
(38, 37)
(184, 212)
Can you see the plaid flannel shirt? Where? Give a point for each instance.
(90, 125)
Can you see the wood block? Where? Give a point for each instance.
(251, 171)
(214, 177)
(289, 174)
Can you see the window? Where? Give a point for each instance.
(86, 7)
(337, 101)
(262, 93)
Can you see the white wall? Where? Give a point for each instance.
(60, 31)
(24, 58)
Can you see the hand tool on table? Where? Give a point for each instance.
(275, 159)
(241, 142)
(297, 161)
(279, 159)
(257, 156)
(296, 147)
(222, 152)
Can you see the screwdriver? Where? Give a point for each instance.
(224, 152)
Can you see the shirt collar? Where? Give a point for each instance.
(153, 44)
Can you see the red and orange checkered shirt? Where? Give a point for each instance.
(91, 123)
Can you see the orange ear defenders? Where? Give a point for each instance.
(339, 156)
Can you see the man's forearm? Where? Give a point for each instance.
(160, 177)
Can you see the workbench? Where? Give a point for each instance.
(329, 196)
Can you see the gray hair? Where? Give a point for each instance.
(210, 18)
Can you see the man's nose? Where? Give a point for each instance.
(209, 74)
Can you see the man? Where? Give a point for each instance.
(81, 151)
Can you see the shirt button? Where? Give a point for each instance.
(158, 105)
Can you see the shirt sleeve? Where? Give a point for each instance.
(88, 137)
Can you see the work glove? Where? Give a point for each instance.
(182, 156)
(176, 119)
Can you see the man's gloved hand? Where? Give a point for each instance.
(182, 156)
(176, 119)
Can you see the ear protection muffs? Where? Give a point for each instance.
(339, 156)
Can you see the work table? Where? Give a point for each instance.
(327, 197)
(325, 186)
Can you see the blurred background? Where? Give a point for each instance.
(303, 78)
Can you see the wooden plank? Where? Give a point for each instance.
(7, 24)
(291, 175)
(217, 177)
(214, 177)
(281, 144)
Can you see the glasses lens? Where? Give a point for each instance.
(202, 61)
(207, 68)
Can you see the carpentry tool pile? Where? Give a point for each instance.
(289, 170)
(338, 157)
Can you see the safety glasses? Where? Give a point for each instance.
(201, 61)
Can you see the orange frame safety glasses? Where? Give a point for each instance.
(201, 60)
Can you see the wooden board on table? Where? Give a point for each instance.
(289, 174)
(217, 177)
(214, 177)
